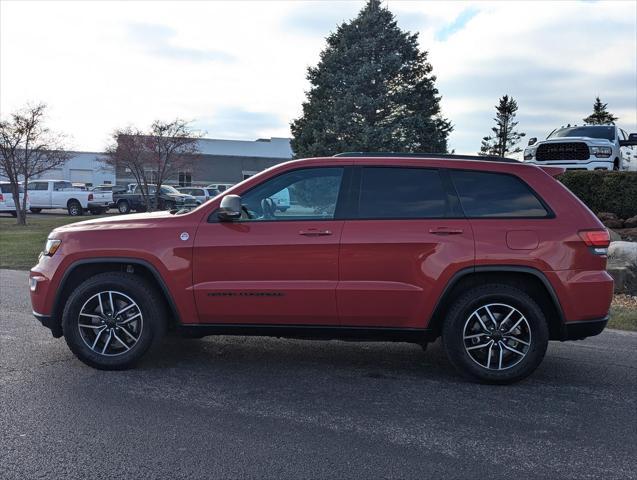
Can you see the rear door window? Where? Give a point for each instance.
(496, 195)
(402, 193)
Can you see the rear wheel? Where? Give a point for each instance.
(14, 214)
(112, 319)
(495, 333)
(35, 210)
(75, 209)
(123, 206)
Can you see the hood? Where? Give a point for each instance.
(137, 220)
(182, 197)
(587, 140)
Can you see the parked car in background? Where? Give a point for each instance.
(51, 194)
(586, 147)
(282, 200)
(220, 187)
(201, 194)
(7, 204)
(494, 255)
(169, 199)
(113, 189)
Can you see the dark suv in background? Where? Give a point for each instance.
(496, 256)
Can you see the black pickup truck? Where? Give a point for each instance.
(169, 199)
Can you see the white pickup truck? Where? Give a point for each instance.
(585, 147)
(49, 194)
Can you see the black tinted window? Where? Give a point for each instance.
(484, 194)
(402, 193)
(6, 188)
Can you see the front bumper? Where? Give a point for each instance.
(583, 329)
(51, 323)
(590, 164)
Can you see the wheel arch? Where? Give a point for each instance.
(529, 279)
(73, 200)
(82, 269)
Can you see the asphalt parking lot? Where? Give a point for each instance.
(261, 407)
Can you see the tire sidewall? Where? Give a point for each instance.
(123, 207)
(75, 209)
(136, 290)
(453, 333)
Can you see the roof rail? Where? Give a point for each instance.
(485, 158)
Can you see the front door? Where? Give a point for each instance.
(405, 239)
(273, 266)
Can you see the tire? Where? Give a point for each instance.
(35, 210)
(123, 207)
(14, 214)
(170, 205)
(483, 358)
(75, 209)
(141, 331)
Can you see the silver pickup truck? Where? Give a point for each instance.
(586, 147)
(50, 194)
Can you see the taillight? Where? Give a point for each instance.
(598, 240)
(1, 198)
(90, 197)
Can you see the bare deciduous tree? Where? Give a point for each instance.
(27, 149)
(155, 155)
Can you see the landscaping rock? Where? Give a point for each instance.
(628, 234)
(614, 236)
(610, 220)
(622, 266)
(631, 222)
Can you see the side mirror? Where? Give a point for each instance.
(632, 140)
(532, 141)
(230, 208)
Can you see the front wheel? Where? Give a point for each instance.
(495, 333)
(112, 319)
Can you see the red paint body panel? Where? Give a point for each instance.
(388, 273)
(393, 271)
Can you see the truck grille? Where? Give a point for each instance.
(562, 151)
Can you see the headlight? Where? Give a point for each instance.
(529, 153)
(601, 152)
(51, 246)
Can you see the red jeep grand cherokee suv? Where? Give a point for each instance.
(497, 257)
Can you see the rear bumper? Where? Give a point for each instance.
(583, 329)
(49, 322)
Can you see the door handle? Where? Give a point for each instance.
(314, 232)
(446, 231)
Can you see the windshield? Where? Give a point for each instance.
(600, 131)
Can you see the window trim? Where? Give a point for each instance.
(549, 211)
(212, 218)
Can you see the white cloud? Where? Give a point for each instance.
(238, 68)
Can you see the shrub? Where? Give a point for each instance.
(601, 191)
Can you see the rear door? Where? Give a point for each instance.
(39, 194)
(405, 239)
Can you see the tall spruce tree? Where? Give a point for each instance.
(505, 138)
(600, 115)
(372, 90)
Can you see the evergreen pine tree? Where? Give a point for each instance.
(505, 138)
(600, 115)
(372, 90)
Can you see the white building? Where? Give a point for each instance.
(83, 167)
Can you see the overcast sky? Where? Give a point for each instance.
(237, 69)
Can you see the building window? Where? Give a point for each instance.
(248, 173)
(185, 179)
